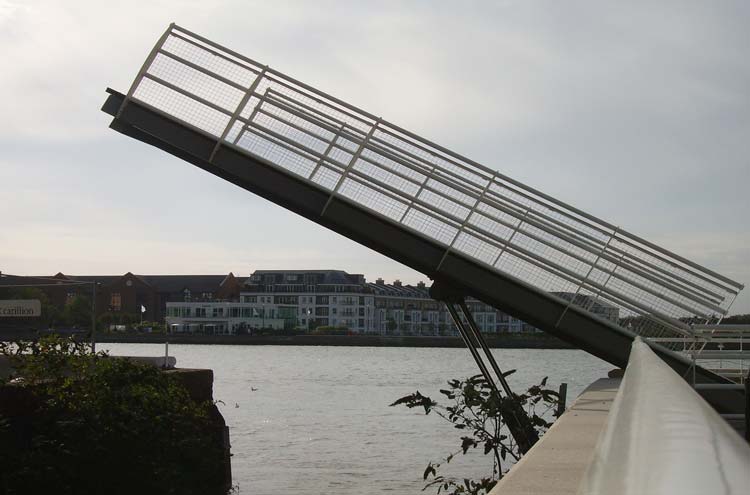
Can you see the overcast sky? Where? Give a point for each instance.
(636, 112)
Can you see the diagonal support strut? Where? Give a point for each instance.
(515, 417)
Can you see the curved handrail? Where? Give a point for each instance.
(663, 438)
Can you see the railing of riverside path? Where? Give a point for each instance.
(663, 438)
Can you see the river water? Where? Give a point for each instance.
(316, 420)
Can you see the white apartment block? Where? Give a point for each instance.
(218, 318)
(310, 299)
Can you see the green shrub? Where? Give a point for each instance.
(99, 424)
(479, 413)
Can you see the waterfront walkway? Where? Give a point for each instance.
(557, 463)
(649, 433)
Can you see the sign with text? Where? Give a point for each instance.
(20, 308)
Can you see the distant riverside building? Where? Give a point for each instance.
(126, 294)
(281, 299)
(310, 299)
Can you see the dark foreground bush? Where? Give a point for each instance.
(74, 422)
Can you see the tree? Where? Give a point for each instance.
(475, 409)
(77, 312)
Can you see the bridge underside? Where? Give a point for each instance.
(551, 314)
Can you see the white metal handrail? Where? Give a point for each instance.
(663, 438)
(425, 188)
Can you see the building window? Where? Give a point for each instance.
(115, 301)
(285, 300)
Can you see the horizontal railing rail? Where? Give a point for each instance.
(463, 206)
(662, 437)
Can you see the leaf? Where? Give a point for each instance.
(430, 470)
(544, 382)
(466, 443)
(448, 393)
(416, 400)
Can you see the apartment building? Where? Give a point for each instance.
(309, 299)
(283, 299)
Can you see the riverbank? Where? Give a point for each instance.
(505, 341)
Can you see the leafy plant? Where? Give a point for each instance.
(73, 421)
(475, 409)
(77, 312)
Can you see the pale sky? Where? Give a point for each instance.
(637, 112)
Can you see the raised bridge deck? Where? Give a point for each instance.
(560, 269)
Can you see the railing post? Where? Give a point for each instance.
(250, 118)
(490, 181)
(512, 235)
(585, 279)
(323, 157)
(144, 68)
(561, 399)
(241, 106)
(419, 191)
(93, 317)
(747, 407)
(354, 159)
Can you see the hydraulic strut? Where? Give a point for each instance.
(513, 414)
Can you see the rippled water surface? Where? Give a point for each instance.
(319, 422)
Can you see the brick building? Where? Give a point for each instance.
(129, 292)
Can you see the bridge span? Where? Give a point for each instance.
(466, 225)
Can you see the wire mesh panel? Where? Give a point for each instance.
(461, 205)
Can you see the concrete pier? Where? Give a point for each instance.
(557, 463)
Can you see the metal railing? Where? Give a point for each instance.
(661, 437)
(433, 192)
(723, 349)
